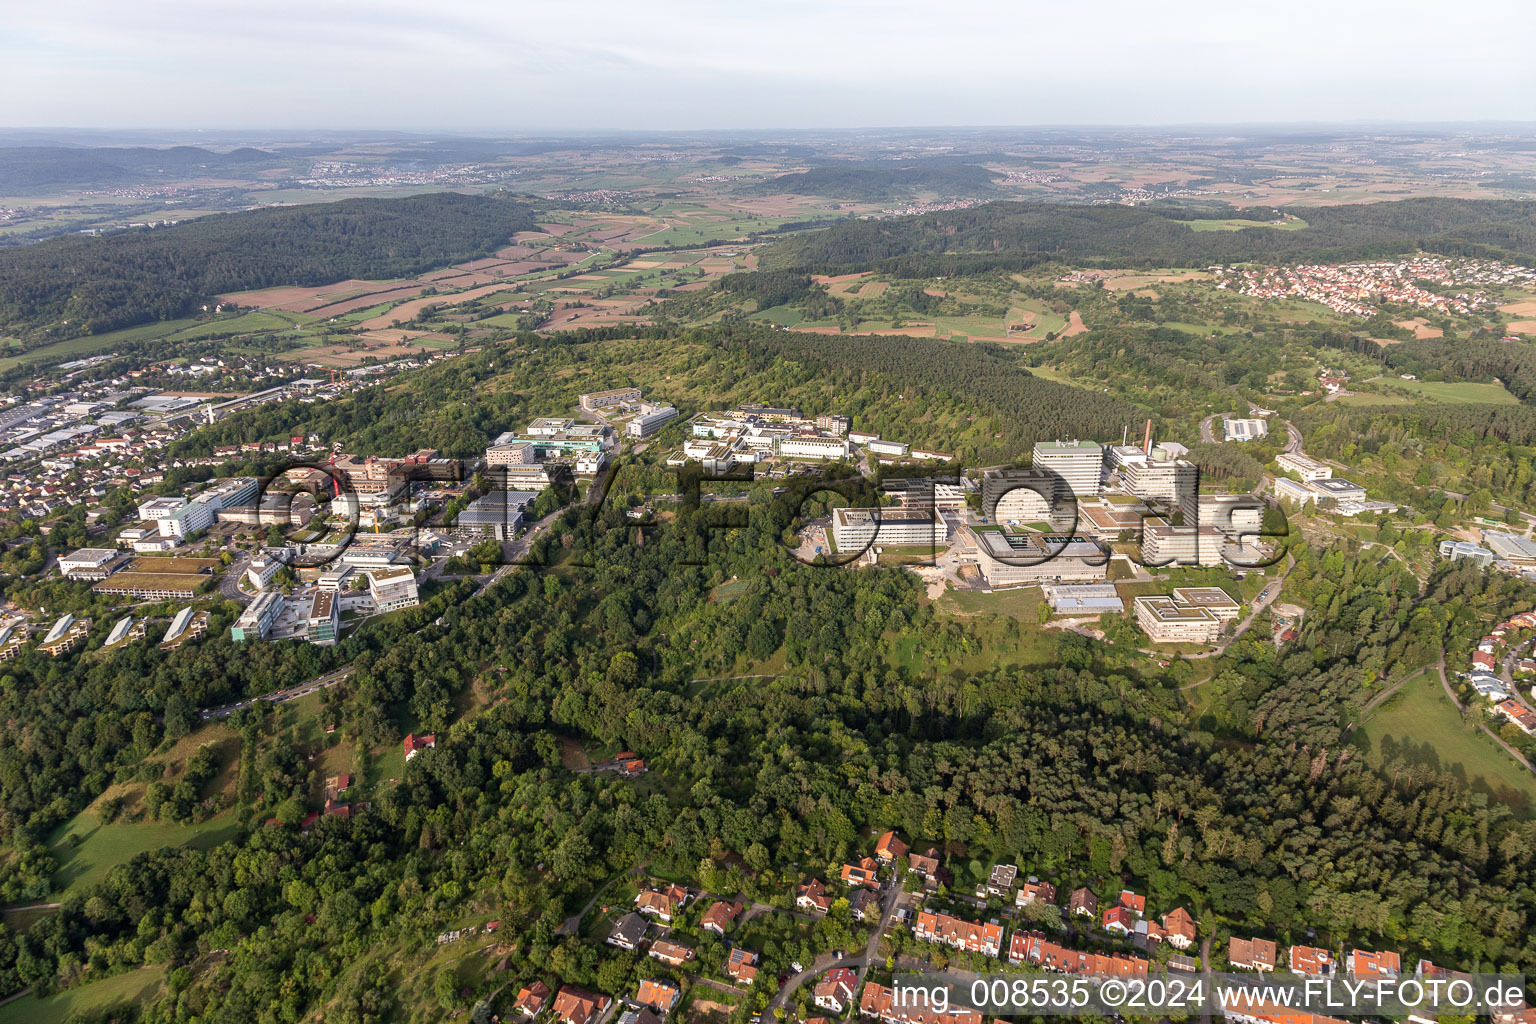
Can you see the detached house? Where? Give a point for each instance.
(720, 916)
(628, 932)
(578, 1006)
(925, 864)
(1035, 891)
(1179, 928)
(1311, 960)
(1252, 954)
(835, 990)
(662, 904)
(742, 966)
(1365, 964)
(888, 848)
(864, 873)
(1083, 902)
(1118, 920)
(531, 999)
(673, 954)
(658, 995)
(813, 897)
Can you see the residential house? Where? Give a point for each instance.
(414, 744)
(864, 873)
(673, 954)
(813, 897)
(742, 966)
(865, 905)
(1365, 964)
(628, 932)
(951, 931)
(1035, 948)
(1118, 920)
(662, 904)
(1132, 902)
(720, 916)
(638, 1015)
(925, 864)
(1035, 891)
(531, 999)
(835, 990)
(1311, 960)
(1179, 928)
(1484, 660)
(578, 1006)
(999, 883)
(1083, 902)
(888, 848)
(879, 1002)
(658, 995)
(1252, 954)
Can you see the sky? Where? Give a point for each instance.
(600, 65)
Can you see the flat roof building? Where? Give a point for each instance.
(497, 514)
(1511, 547)
(255, 622)
(1303, 466)
(90, 563)
(1017, 559)
(854, 529)
(1079, 463)
(1463, 550)
(322, 623)
(1165, 621)
(1083, 598)
(1244, 429)
(393, 589)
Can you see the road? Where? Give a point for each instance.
(229, 582)
(1446, 683)
(320, 682)
(860, 964)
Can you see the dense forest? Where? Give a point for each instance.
(88, 285)
(1149, 236)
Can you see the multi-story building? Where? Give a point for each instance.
(927, 492)
(91, 563)
(647, 424)
(497, 514)
(854, 529)
(1021, 495)
(1511, 547)
(190, 519)
(549, 426)
(595, 400)
(1079, 463)
(898, 449)
(1459, 550)
(511, 453)
(1235, 515)
(1162, 544)
(1303, 466)
(1166, 622)
(1244, 429)
(1173, 482)
(803, 446)
(393, 589)
(1015, 559)
(322, 623)
(234, 492)
(986, 939)
(159, 508)
(255, 622)
(833, 424)
(264, 566)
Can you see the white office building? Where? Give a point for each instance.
(1303, 466)
(1079, 463)
(647, 423)
(393, 589)
(806, 447)
(854, 529)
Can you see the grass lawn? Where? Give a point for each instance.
(1237, 224)
(104, 846)
(90, 999)
(1460, 391)
(1421, 725)
(94, 343)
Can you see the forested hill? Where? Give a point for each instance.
(99, 284)
(23, 168)
(1024, 407)
(1149, 236)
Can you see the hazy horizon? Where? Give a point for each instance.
(468, 66)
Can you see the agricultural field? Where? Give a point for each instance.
(1438, 391)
